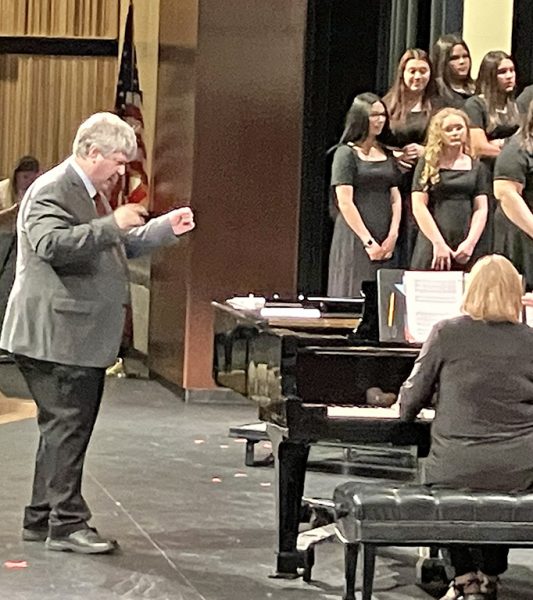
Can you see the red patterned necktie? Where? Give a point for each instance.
(101, 208)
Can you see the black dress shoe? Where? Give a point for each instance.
(83, 541)
(34, 535)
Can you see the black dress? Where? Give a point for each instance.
(515, 164)
(451, 203)
(476, 108)
(411, 131)
(8, 255)
(349, 264)
(448, 97)
(523, 101)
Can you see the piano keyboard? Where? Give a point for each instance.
(374, 412)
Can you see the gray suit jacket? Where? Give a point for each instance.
(68, 301)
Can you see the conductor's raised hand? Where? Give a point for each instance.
(130, 215)
(181, 220)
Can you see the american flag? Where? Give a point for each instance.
(128, 106)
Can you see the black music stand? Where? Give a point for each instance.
(368, 329)
(391, 306)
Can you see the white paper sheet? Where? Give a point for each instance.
(430, 297)
(529, 315)
(246, 302)
(290, 312)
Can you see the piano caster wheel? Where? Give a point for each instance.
(289, 565)
(309, 561)
(431, 576)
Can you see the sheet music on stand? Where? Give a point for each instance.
(528, 313)
(411, 302)
(431, 296)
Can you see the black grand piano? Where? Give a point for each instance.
(308, 375)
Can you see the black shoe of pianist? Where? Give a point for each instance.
(83, 541)
(377, 397)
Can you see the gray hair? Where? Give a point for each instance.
(109, 133)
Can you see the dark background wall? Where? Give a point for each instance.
(522, 46)
(343, 59)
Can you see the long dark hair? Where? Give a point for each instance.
(24, 163)
(441, 54)
(395, 99)
(487, 86)
(356, 131)
(357, 119)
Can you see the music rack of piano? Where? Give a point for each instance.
(309, 379)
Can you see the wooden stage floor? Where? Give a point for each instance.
(193, 522)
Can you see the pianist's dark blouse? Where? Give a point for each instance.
(482, 372)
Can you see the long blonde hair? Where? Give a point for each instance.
(435, 145)
(493, 291)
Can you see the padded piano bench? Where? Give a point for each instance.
(369, 515)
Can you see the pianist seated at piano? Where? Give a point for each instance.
(479, 366)
(366, 202)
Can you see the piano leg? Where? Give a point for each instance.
(290, 462)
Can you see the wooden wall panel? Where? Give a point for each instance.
(44, 99)
(248, 111)
(60, 18)
(172, 184)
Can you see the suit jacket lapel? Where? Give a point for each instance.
(77, 183)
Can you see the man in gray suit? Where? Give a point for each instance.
(65, 315)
